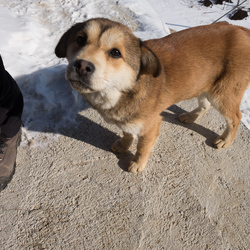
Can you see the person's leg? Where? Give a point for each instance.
(11, 107)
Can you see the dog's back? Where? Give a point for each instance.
(204, 59)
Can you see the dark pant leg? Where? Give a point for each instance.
(11, 104)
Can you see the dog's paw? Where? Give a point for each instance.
(221, 143)
(118, 147)
(134, 167)
(187, 118)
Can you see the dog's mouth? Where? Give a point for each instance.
(79, 83)
(80, 86)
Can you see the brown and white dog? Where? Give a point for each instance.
(130, 82)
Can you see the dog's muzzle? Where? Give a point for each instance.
(79, 74)
(84, 68)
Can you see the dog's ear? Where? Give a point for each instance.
(61, 48)
(150, 64)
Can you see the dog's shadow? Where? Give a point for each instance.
(91, 133)
(98, 136)
(173, 118)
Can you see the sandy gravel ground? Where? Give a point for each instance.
(76, 194)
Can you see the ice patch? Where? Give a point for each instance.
(49, 102)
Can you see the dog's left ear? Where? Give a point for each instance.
(150, 64)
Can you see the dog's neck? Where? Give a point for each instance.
(103, 100)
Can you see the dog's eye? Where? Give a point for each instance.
(81, 40)
(115, 53)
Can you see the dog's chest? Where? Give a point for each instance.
(105, 105)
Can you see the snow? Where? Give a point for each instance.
(30, 30)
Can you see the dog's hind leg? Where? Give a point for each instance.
(146, 142)
(229, 108)
(203, 106)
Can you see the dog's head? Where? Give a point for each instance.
(104, 55)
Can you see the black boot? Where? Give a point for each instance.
(8, 152)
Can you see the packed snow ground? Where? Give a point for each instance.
(30, 30)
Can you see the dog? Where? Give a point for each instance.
(130, 82)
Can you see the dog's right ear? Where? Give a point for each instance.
(61, 48)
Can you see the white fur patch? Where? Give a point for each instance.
(132, 128)
(104, 100)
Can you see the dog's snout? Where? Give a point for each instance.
(84, 68)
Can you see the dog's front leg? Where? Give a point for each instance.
(146, 142)
(122, 145)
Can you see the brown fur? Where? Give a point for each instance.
(210, 62)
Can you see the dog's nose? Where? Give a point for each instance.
(84, 68)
